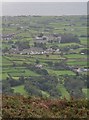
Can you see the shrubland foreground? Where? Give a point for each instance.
(14, 107)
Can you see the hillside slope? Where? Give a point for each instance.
(32, 107)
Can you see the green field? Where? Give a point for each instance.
(86, 92)
(51, 57)
(76, 56)
(45, 94)
(60, 72)
(16, 72)
(63, 91)
(79, 63)
(20, 89)
(84, 41)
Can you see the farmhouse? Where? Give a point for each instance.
(54, 38)
(82, 70)
(41, 39)
(32, 50)
(39, 66)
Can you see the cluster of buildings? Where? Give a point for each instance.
(8, 36)
(34, 50)
(49, 38)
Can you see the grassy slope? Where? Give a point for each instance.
(63, 91)
(20, 89)
(86, 92)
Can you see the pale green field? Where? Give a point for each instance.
(60, 72)
(20, 89)
(45, 94)
(73, 56)
(86, 92)
(63, 91)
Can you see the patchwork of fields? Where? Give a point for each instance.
(50, 58)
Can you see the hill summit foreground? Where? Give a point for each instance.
(32, 107)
